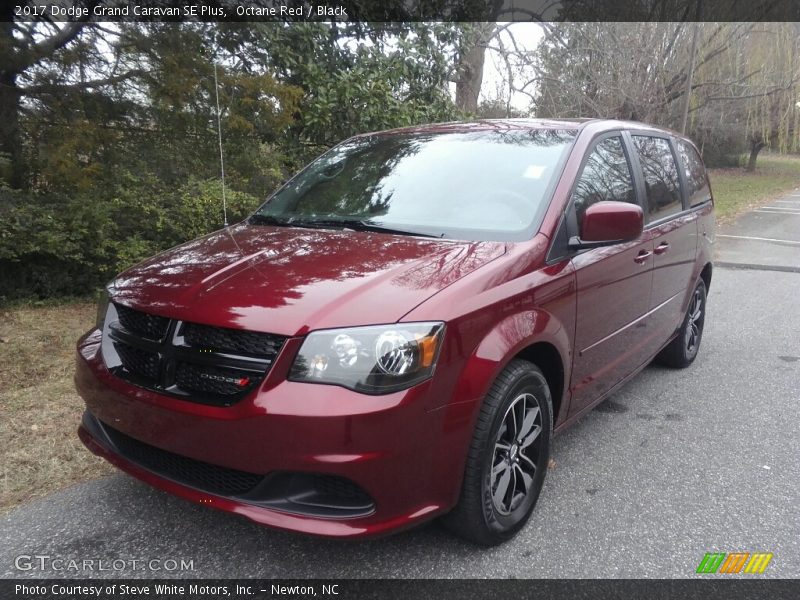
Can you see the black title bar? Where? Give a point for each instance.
(403, 10)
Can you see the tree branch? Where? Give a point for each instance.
(33, 54)
(45, 88)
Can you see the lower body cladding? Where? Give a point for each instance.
(316, 459)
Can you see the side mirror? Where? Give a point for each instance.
(609, 223)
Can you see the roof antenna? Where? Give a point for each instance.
(221, 160)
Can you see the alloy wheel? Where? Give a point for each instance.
(516, 452)
(695, 324)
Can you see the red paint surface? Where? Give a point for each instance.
(406, 449)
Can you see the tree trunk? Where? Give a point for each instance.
(10, 136)
(470, 65)
(755, 148)
(688, 94)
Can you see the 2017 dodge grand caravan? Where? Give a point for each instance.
(399, 330)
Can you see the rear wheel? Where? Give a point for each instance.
(507, 459)
(682, 351)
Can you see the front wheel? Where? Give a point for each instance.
(682, 350)
(507, 459)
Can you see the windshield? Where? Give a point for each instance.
(486, 185)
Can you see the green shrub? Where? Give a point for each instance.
(56, 245)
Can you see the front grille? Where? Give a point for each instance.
(143, 324)
(230, 340)
(194, 473)
(196, 362)
(138, 361)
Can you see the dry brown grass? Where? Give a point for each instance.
(39, 409)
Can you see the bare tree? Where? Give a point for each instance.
(733, 81)
(773, 115)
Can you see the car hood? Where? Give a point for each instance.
(291, 280)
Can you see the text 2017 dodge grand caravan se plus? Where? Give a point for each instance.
(399, 330)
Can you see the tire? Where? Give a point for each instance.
(682, 350)
(485, 514)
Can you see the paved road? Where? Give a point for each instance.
(677, 464)
(766, 238)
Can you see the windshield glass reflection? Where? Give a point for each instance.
(469, 185)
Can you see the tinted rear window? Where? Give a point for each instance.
(698, 189)
(660, 176)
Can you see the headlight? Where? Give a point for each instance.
(102, 308)
(373, 360)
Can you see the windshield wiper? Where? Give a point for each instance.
(357, 225)
(258, 219)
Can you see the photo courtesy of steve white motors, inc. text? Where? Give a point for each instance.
(174, 589)
(188, 11)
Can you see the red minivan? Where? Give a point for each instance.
(399, 330)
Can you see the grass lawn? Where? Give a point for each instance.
(40, 411)
(39, 408)
(735, 190)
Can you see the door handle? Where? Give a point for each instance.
(642, 257)
(662, 248)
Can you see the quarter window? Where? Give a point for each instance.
(696, 178)
(660, 176)
(606, 177)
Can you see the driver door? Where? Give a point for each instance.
(613, 282)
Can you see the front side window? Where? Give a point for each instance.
(696, 178)
(605, 177)
(660, 176)
(479, 185)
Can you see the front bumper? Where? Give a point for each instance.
(405, 450)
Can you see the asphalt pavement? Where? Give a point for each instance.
(765, 238)
(677, 464)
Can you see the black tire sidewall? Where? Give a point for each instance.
(505, 526)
